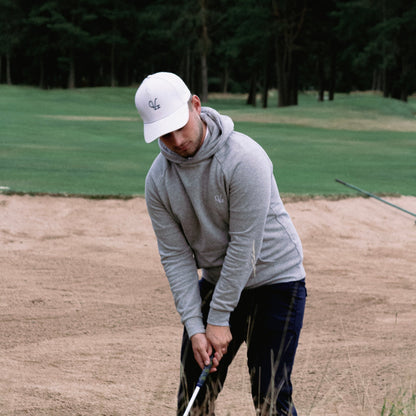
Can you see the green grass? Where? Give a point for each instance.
(308, 159)
(403, 405)
(43, 153)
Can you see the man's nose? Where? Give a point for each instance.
(176, 138)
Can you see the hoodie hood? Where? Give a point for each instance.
(219, 128)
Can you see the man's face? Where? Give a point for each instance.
(187, 140)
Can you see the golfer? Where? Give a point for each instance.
(228, 247)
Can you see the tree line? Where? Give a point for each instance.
(246, 46)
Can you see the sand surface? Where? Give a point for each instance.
(88, 325)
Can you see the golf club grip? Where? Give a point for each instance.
(204, 373)
(339, 181)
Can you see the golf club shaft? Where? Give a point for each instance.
(374, 196)
(191, 402)
(199, 384)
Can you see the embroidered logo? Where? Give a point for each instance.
(219, 199)
(153, 104)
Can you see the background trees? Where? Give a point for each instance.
(215, 45)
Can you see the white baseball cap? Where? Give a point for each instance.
(162, 102)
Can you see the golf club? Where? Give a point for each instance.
(374, 196)
(199, 384)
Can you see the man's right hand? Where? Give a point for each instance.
(203, 350)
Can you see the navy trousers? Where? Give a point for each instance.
(269, 319)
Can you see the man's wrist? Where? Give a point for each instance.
(218, 318)
(194, 326)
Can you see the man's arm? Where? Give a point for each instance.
(178, 262)
(249, 198)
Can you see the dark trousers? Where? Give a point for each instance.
(269, 319)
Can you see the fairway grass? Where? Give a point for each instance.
(90, 142)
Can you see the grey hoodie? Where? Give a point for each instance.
(220, 211)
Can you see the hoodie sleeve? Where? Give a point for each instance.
(177, 259)
(250, 185)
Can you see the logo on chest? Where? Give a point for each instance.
(219, 199)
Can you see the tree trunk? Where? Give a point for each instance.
(112, 65)
(332, 77)
(266, 80)
(251, 99)
(42, 74)
(225, 80)
(204, 77)
(265, 92)
(294, 82)
(321, 80)
(8, 70)
(374, 82)
(385, 83)
(204, 51)
(288, 23)
(71, 76)
(188, 66)
(284, 68)
(281, 79)
(126, 75)
(406, 75)
(286, 74)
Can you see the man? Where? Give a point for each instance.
(215, 207)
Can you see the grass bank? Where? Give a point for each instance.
(90, 142)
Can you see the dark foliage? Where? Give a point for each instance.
(245, 46)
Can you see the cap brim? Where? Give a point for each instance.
(175, 121)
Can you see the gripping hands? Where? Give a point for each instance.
(216, 338)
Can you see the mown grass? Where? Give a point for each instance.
(40, 153)
(90, 142)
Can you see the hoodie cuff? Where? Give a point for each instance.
(219, 318)
(194, 326)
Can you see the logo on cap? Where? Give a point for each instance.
(153, 104)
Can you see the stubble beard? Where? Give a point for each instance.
(197, 143)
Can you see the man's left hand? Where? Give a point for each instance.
(219, 337)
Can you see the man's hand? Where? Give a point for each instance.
(219, 337)
(202, 349)
(215, 339)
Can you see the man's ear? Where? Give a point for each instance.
(196, 103)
